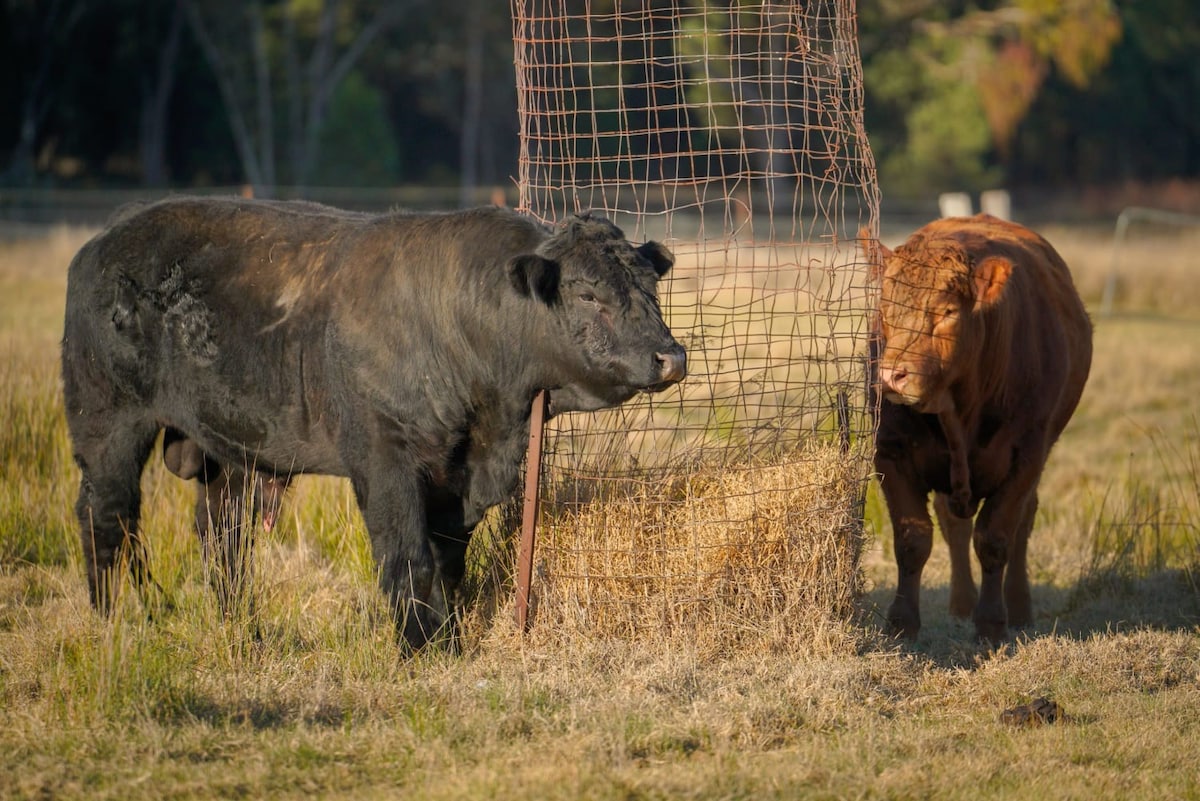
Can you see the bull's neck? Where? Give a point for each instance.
(981, 380)
(510, 342)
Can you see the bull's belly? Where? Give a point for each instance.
(921, 446)
(253, 432)
(278, 455)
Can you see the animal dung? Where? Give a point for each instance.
(1037, 712)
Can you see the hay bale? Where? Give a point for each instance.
(717, 555)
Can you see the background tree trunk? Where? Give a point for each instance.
(472, 106)
(50, 30)
(155, 103)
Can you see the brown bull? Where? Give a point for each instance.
(984, 348)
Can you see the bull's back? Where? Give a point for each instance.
(181, 281)
(206, 315)
(215, 314)
(1052, 323)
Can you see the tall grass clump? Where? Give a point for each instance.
(36, 491)
(1148, 529)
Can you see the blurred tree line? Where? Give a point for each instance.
(260, 92)
(960, 94)
(1053, 93)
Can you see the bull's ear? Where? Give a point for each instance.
(534, 276)
(658, 255)
(875, 252)
(990, 275)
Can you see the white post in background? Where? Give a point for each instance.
(954, 204)
(996, 202)
(1126, 216)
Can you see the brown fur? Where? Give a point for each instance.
(983, 351)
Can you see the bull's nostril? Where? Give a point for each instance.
(672, 365)
(894, 377)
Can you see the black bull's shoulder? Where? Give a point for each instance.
(401, 350)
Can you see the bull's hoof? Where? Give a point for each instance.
(1020, 621)
(991, 632)
(423, 627)
(1020, 613)
(1036, 713)
(903, 621)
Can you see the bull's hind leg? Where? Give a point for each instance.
(1018, 599)
(957, 533)
(111, 459)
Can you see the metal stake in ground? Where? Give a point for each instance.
(533, 472)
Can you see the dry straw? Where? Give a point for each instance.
(716, 558)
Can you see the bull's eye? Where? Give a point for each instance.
(944, 314)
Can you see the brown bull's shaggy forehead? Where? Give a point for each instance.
(943, 256)
(920, 267)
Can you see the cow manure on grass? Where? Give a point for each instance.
(1038, 712)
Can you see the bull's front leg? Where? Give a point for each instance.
(393, 503)
(912, 532)
(1001, 533)
(961, 504)
(450, 533)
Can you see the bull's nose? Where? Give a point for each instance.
(893, 379)
(672, 364)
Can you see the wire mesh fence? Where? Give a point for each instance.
(732, 132)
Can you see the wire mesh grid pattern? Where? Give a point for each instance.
(732, 132)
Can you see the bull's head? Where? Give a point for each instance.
(930, 318)
(603, 292)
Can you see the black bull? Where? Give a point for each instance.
(271, 339)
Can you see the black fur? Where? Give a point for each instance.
(401, 351)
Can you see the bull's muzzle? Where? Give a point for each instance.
(893, 381)
(672, 365)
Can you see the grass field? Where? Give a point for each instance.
(169, 700)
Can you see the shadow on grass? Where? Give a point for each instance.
(1098, 604)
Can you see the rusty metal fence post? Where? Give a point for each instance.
(533, 472)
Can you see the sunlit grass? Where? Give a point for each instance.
(308, 692)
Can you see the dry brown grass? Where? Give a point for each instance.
(754, 685)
